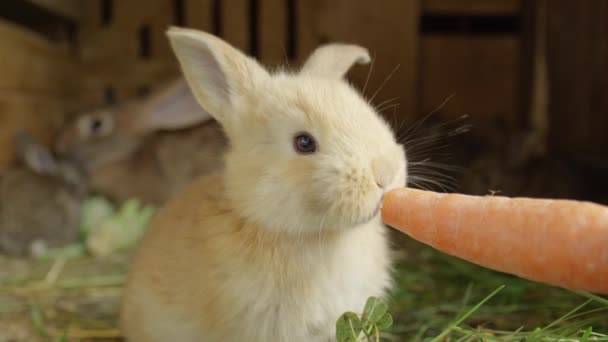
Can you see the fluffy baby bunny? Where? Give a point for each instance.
(147, 148)
(39, 201)
(288, 236)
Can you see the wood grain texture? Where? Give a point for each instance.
(235, 23)
(273, 31)
(482, 74)
(578, 67)
(199, 14)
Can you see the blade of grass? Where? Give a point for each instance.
(601, 300)
(466, 315)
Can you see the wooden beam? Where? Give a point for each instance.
(198, 14)
(71, 9)
(32, 63)
(235, 23)
(488, 7)
(273, 31)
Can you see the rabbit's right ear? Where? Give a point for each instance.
(334, 60)
(37, 157)
(217, 73)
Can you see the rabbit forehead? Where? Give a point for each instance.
(330, 109)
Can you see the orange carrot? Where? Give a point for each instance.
(558, 242)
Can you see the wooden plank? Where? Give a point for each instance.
(160, 48)
(71, 9)
(128, 19)
(235, 23)
(91, 25)
(273, 31)
(481, 73)
(198, 14)
(488, 7)
(33, 63)
(393, 42)
(307, 38)
(577, 58)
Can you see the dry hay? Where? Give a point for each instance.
(61, 299)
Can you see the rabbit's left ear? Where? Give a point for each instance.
(173, 107)
(334, 60)
(37, 157)
(218, 74)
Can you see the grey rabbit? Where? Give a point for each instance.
(40, 201)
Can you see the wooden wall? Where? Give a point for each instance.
(479, 51)
(37, 81)
(578, 69)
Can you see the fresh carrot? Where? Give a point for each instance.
(558, 242)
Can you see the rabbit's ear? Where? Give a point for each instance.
(37, 157)
(217, 73)
(173, 107)
(334, 60)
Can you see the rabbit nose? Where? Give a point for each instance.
(383, 172)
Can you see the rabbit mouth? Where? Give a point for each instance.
(373, 214)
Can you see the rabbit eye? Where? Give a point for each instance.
(96, 125)
(304, 143)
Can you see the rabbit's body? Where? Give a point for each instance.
(287, 236)
(161, 165)
(39, 203)
(36, 208)
(241, 282)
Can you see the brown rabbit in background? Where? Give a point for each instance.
(148, 148)
(39, 201)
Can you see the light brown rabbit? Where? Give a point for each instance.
(288, 236)
(39, 201)
(146, 148)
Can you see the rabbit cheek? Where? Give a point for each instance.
(358, 198)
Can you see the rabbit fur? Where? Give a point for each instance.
(39, 201)
(148, 149)
(279, 243)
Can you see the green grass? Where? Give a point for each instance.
(441, 298)
(436, 298)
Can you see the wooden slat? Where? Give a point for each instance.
(273, 31)
(30, 62)
(307, 37)
(481, 73)
(128, 19)
(160, 49)
(578, 68)
(389, 31)
(199, 14)
(71, 9)
(91, 25)
(235, 23)
(493, 7)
